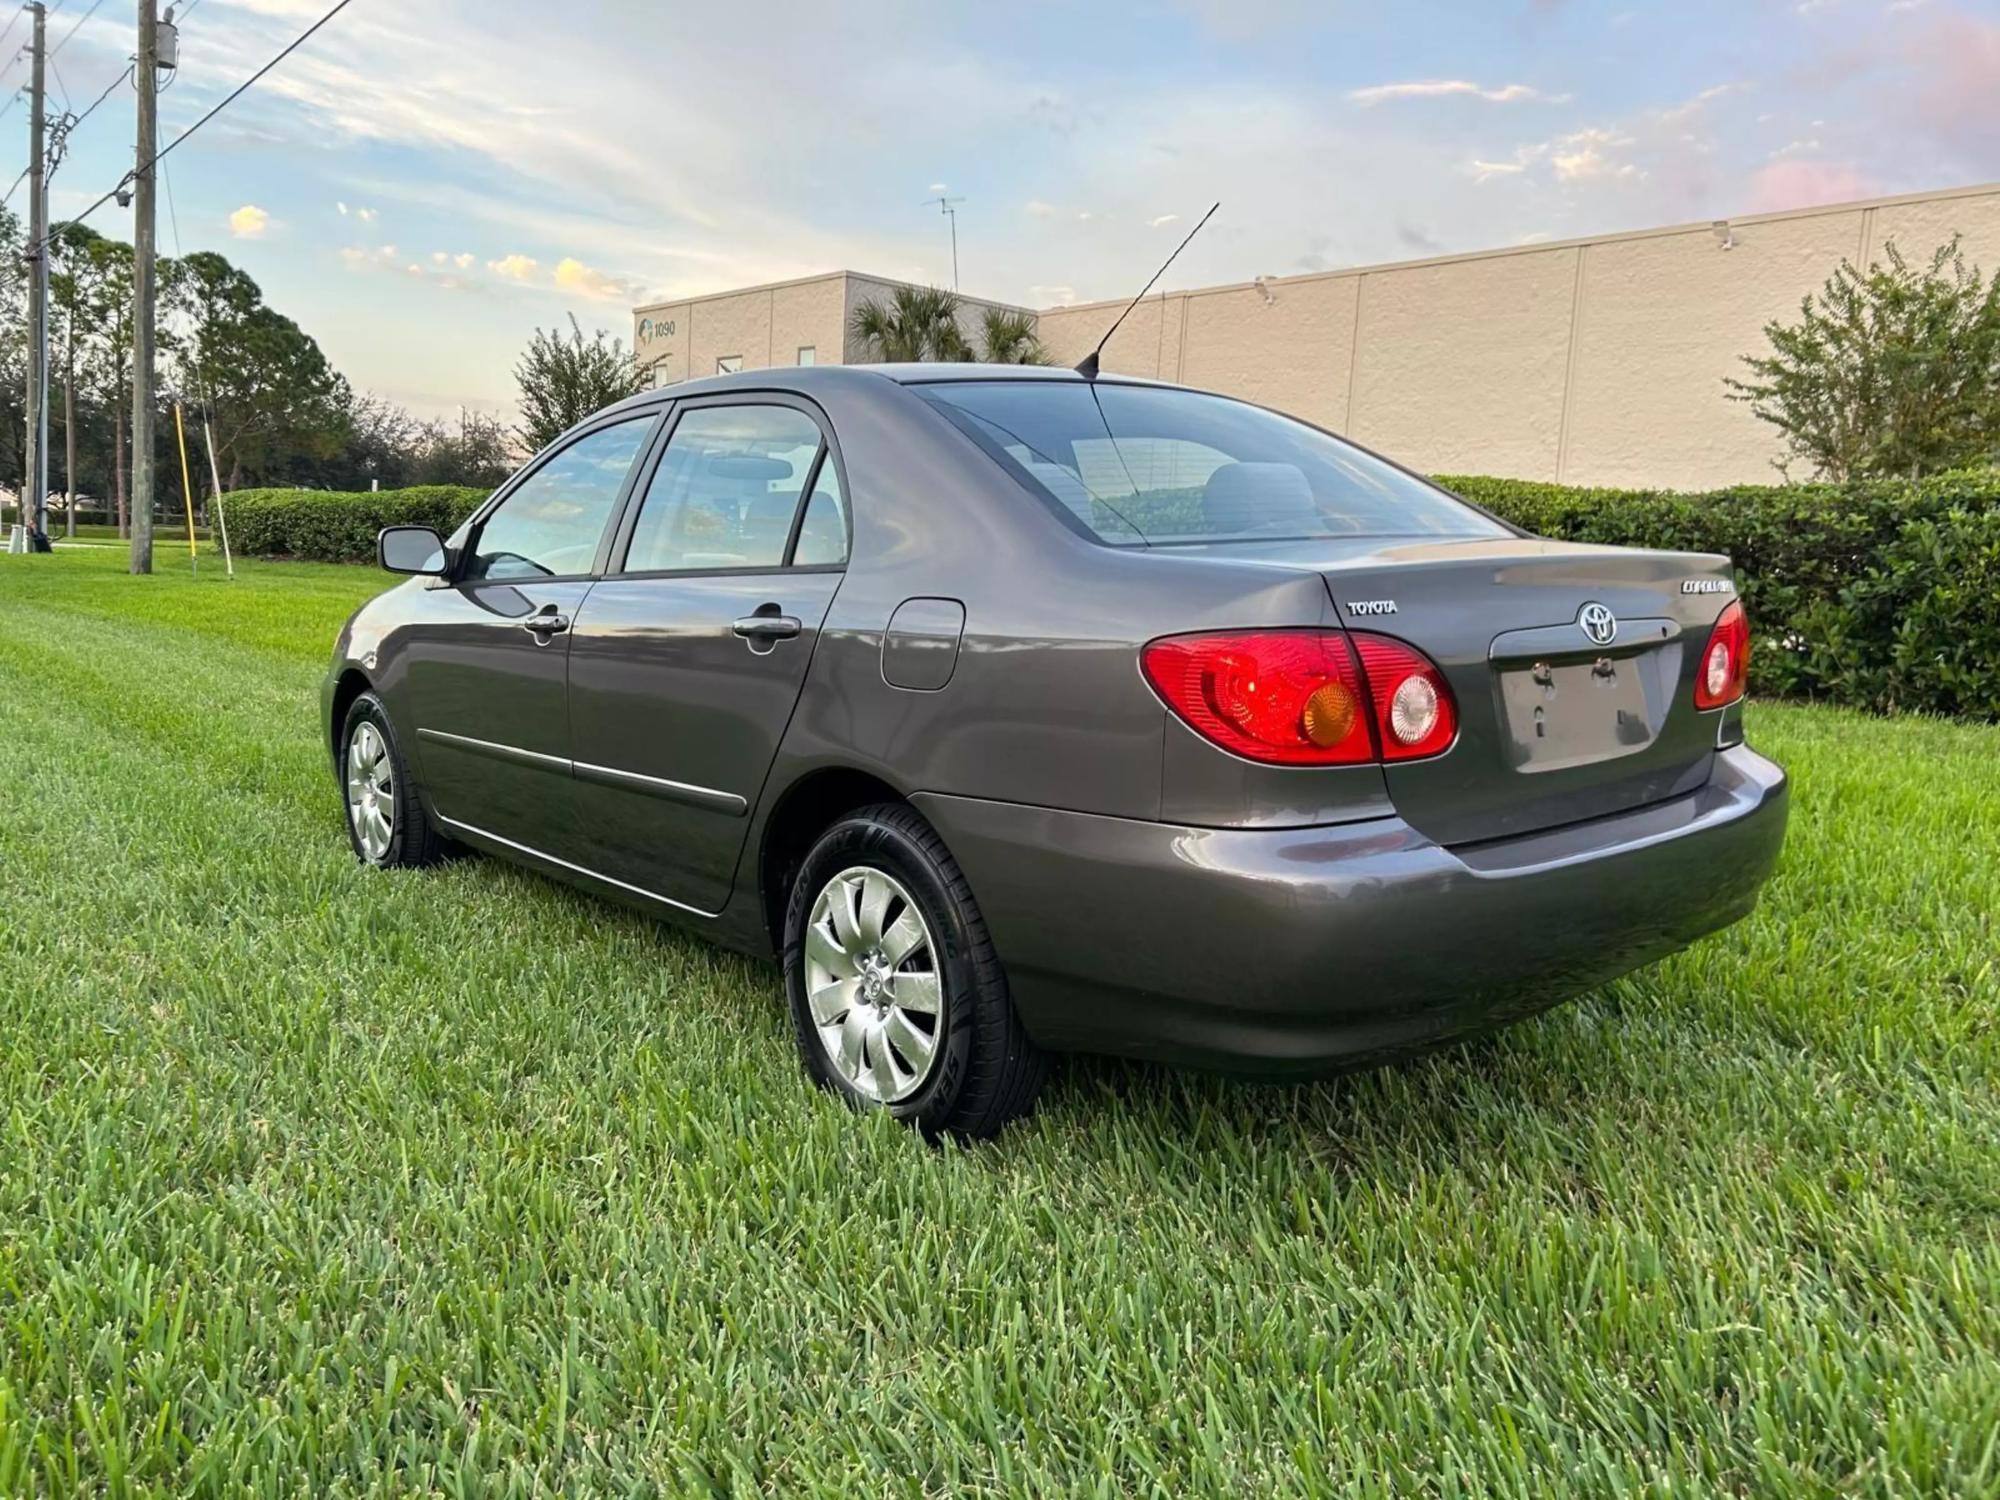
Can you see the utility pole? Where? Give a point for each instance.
(35, 483)
(146, 76)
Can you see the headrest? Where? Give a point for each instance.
(1258, 497)
(748, 467)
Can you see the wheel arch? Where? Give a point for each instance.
(350, 685)
(805, 810)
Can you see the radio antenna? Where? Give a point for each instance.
(1087, 366)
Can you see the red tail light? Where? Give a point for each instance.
(1304, 697)
(1287, 697)
(1724, 671)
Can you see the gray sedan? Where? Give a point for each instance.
(1016, 712)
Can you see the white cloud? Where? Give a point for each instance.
(572, 275)
(515, 267)
(1481, 170)
(357, 259)
(1437, 88)
(1162, 221)
(464, 259)
(365, 215)
(1693, 106)
(938, 187)
(249, 222)
(439, 257)
(1052, 296)
(1571, 165)
(1036, 208)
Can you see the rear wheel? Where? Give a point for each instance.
(896, 994)
(386, 822)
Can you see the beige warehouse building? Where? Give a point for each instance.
(1591, 361)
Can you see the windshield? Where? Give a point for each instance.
(1140, 465)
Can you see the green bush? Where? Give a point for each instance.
(1882, 594)
(332, 526)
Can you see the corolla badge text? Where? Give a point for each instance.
(1707, 586)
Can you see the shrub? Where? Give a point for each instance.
(1884, 594)
(332, 526)
(1890, 372)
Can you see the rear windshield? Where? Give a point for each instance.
(1140, 466)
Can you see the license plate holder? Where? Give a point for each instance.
(1573, 713)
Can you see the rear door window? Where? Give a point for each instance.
(726, 490)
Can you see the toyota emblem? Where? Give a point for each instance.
(1598, 623)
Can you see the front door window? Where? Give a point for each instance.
(549, 527)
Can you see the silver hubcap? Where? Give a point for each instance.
(872, 984)
(371, 791)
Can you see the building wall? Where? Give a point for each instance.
(763, 326)
(1593, 361)
(767, 325)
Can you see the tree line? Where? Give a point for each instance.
(278, 411)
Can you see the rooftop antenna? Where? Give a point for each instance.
(949, 208)
(1087, 366)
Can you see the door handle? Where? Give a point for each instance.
(766, 630)
(545, 627)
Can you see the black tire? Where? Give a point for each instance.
(413, 840)
(987, 1072)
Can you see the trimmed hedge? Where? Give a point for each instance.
(1883, 594)
(337, 526)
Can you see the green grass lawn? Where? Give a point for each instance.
(316, 1180)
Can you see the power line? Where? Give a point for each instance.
(17, 21)
(76, 28)
(235, 94)
(109, 89)
(61, 130)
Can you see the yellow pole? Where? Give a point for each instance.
(187, 484)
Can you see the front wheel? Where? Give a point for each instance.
(386, 822)
(896, 994)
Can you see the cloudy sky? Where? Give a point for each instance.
(429, 180)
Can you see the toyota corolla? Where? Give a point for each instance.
(1016, 712)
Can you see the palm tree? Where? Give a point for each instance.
(1011, 338)
(919, 323)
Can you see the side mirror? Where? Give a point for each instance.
(411, 549)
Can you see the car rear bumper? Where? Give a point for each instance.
(1305, 949)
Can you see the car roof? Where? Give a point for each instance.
(810, 378)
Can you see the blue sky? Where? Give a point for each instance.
(427, 181)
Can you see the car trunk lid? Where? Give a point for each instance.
(1573, 670)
